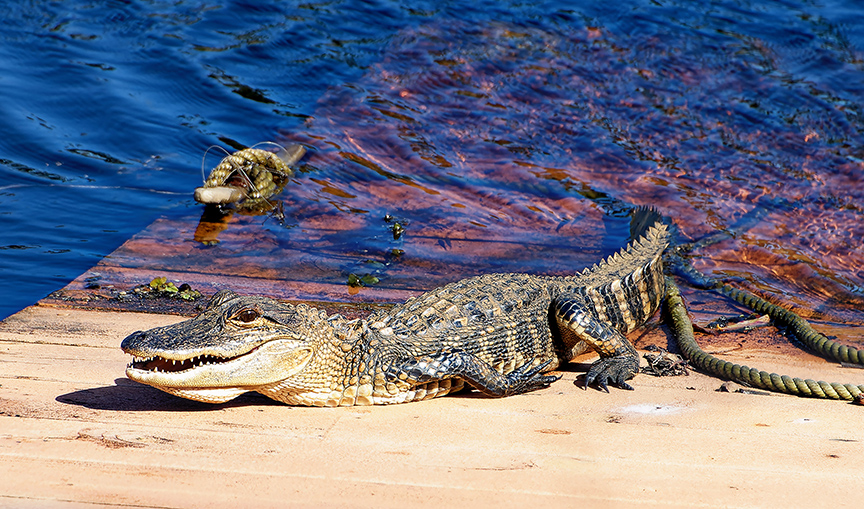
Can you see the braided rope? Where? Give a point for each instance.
(682, 329)
(802, 330)
(799, 327)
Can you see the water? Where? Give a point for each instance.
(514, 123)
(109, 107)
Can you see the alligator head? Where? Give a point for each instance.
(238, 344)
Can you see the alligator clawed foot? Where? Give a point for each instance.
(526, 379)
(615, 370)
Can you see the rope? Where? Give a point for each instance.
(799, 327)
(682, 329)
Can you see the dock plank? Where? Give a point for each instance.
(74, 432)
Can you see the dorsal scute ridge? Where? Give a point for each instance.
(640, 252)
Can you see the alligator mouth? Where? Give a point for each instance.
(161, 364)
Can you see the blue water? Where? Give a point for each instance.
(108, 107)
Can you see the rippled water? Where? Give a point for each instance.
(108, 109)
(529, 126)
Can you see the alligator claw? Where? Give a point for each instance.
(526, 379)
(616, 370)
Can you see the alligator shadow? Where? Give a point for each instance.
(130, 396)
(126, 395)
(580, 369)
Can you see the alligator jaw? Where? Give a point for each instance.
(214, 379)
(198, 373)
(174, 376)
(157, 363)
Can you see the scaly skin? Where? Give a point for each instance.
(499, 333)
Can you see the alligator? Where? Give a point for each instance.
(500, 334)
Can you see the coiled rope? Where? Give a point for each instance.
(682, 329)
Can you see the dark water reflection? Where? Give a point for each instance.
(504, 138)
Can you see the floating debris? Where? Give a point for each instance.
(356, 281)
(244, 182)
(743, 323)
(249, 177)
(161, 287)
(395, 225)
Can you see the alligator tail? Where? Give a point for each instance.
(643, 219)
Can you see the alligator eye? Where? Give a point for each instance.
(247, 315)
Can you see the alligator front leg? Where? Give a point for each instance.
(618, 362)
(476, 372)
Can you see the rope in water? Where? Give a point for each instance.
(682, 329)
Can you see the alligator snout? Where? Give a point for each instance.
(132, 339)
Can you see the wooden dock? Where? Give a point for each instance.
(74, 432)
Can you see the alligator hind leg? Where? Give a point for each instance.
(478, 373)
(618, 362)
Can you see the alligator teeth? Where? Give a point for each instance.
(162, 364)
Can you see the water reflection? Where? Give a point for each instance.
(499, 125)
(507, 136)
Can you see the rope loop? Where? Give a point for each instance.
(682, 329)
